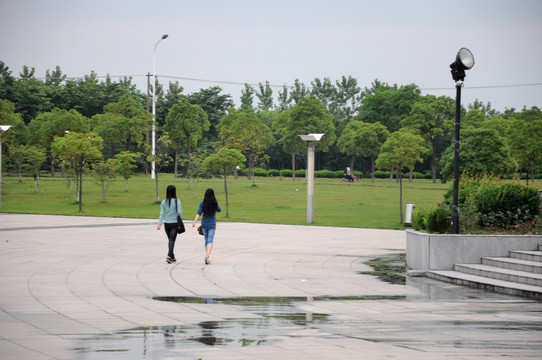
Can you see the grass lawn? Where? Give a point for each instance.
(273, 200)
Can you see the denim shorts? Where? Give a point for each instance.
(209, 236)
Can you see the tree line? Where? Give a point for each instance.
(389, 127)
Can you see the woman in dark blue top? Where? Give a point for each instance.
(208, 207)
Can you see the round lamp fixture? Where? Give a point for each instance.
(465, 57)
(463, 61)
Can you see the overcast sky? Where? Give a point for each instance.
(252, 41)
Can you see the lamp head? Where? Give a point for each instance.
(4, 127)
(464, 60)
(164, 36)
(311, 137)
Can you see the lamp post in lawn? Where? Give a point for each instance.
(310, 139)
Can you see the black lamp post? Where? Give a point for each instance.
(463, 61)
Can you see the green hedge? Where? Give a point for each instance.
(505, 205)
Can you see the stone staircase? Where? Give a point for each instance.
(519, 274)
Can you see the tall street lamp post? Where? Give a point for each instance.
(310, 139)
(153, 140)
(463, 61)
(2, 129)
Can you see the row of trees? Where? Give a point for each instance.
(386, 126)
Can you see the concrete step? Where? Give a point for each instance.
(527, 255)
(492, 272)
(500, 286)
(539, 247)
(513, 264)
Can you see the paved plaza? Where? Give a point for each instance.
(99, 288)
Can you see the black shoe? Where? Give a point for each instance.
(170, 260)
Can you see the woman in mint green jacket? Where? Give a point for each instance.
(169, 210)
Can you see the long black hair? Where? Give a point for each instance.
(210, 205)
(171, 193)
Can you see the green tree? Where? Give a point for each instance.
(482, 151)
(324, 91)
(132, 121)
(105, 172)
(401, 150)
(284, 100)
(473, 119)
(224, 162)
(7, 82)
(197, 169)
(30, 96)
(265, 97)
(525, 141)
(309, 116)
(348, 99)
(35, 156)
(172, 97)
(498, 123)
(17, 158)
(429, 117)
(125, 165)
(298, 92)
(247, 99)
(53, 87)
(214, 104)
(371, 137)
(389, 105)
(50, 125)
(348, 142)
(18, 131)
(485, 109)
(79, 150)
(186, 123)
(247, 133)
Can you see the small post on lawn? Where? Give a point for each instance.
(310, 139)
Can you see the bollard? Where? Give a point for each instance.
(408, 214)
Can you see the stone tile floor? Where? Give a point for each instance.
(85, 288)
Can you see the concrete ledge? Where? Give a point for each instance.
(441, 251)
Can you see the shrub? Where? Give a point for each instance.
(286, 173)
(300, 173)
(419, 219)
(273, 172)
(438, 220)
(382, 174)
(324, 174)
(260, 172)
(415, 175)
(504, 205)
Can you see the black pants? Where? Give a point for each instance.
(171, 232)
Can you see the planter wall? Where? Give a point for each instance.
(442, 251)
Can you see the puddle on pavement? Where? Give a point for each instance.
(389, 268)
(277, 318)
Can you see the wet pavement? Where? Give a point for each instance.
(99, 288)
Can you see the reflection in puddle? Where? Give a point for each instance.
(155, 342)
(270, 319)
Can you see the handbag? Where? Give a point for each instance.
(180, 224)
(200, 231)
